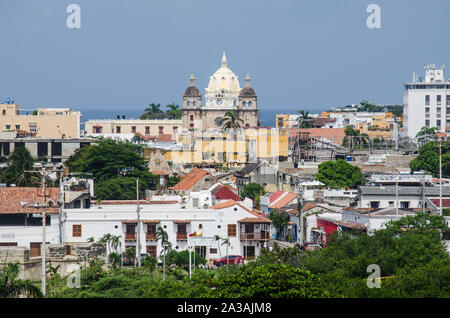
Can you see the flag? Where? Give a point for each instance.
(193, 234)
(200, 234)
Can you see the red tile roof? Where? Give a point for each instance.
(225, 193)
(255, 220)
(275, 196)
(284, 200)
(190, 179)
(445, 202)
(223, 205)
(10, 199)
(308, 206)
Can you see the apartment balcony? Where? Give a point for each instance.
(130, 236)
(181, 236)
(256, 236)
(150, 237)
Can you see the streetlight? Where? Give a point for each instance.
(45, 204)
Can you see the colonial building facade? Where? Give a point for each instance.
(223, 94)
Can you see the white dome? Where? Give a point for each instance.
(224, 80)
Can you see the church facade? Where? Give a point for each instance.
(223, 94)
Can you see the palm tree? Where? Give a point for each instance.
(115, 242)
(137, 139)
(226, 241)
(162, 236)
(174, 111)
(10, 286)
(106, 239)
(217, 239)
(360, 139)
(231, 120)
(427, 131)
(304, 121)
(153, 112)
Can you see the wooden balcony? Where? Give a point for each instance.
(130, 236)
(256, 236)
(181, 236)
(150, 237)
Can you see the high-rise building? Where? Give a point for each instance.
(426, 102)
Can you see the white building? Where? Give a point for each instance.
(426, 102)
(247, 231)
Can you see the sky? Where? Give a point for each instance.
(300, 54)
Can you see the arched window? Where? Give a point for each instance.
(194, 103)
(189, 103)
(244, 104)
(250, 104)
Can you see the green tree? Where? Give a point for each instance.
(427, 131)
(162, 236)
(269, 281)
(11, 286)
(115, 167)
(428, 159)
(279, 221)
(253, 191)
(153, 112)
(19, 161)
(114, 260)
(354, 138)
(339, 174)
(304, 120)
(174, 111)
(231, 120)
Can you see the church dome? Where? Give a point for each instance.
(247, 90)
(192, 90)
(223, 79)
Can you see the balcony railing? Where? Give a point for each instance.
(130, 236)
(255, 236)
(150, 237)
(181, 236)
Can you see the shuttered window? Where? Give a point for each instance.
(76, 230)
(231, 229)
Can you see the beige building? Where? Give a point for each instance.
(146, 127)
(47, 123)
(222, 94)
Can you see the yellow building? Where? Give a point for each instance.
(234, 150)
(147, 127)
(46, 123)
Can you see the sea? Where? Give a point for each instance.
(266, 116)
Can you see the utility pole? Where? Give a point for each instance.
(301, 214)
(138, 241)
(396, 199)
(440, 176)
(44, 232)
(423, 192)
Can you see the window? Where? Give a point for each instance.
(448, 99)
(189, 103)
(8, 127)
(391, 204)
(438, 99)
(118, 129)
(249, 252)
(17, 127)
(244, 104)
(427, 123)
(195, 202)
(161, 130)
(427, 99)
(438, 123)
(181, 228)
(133, 129)
(131, 229)
(76, 230)
(194, 103)
(175, 129)
(33, 128)
(147, 130)
(374, 204)
(404, 205)
(250, 104)
(97, 130)
(151, 249)
(232, 230)
(4, 112)
(212, 250)
(191, 117)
